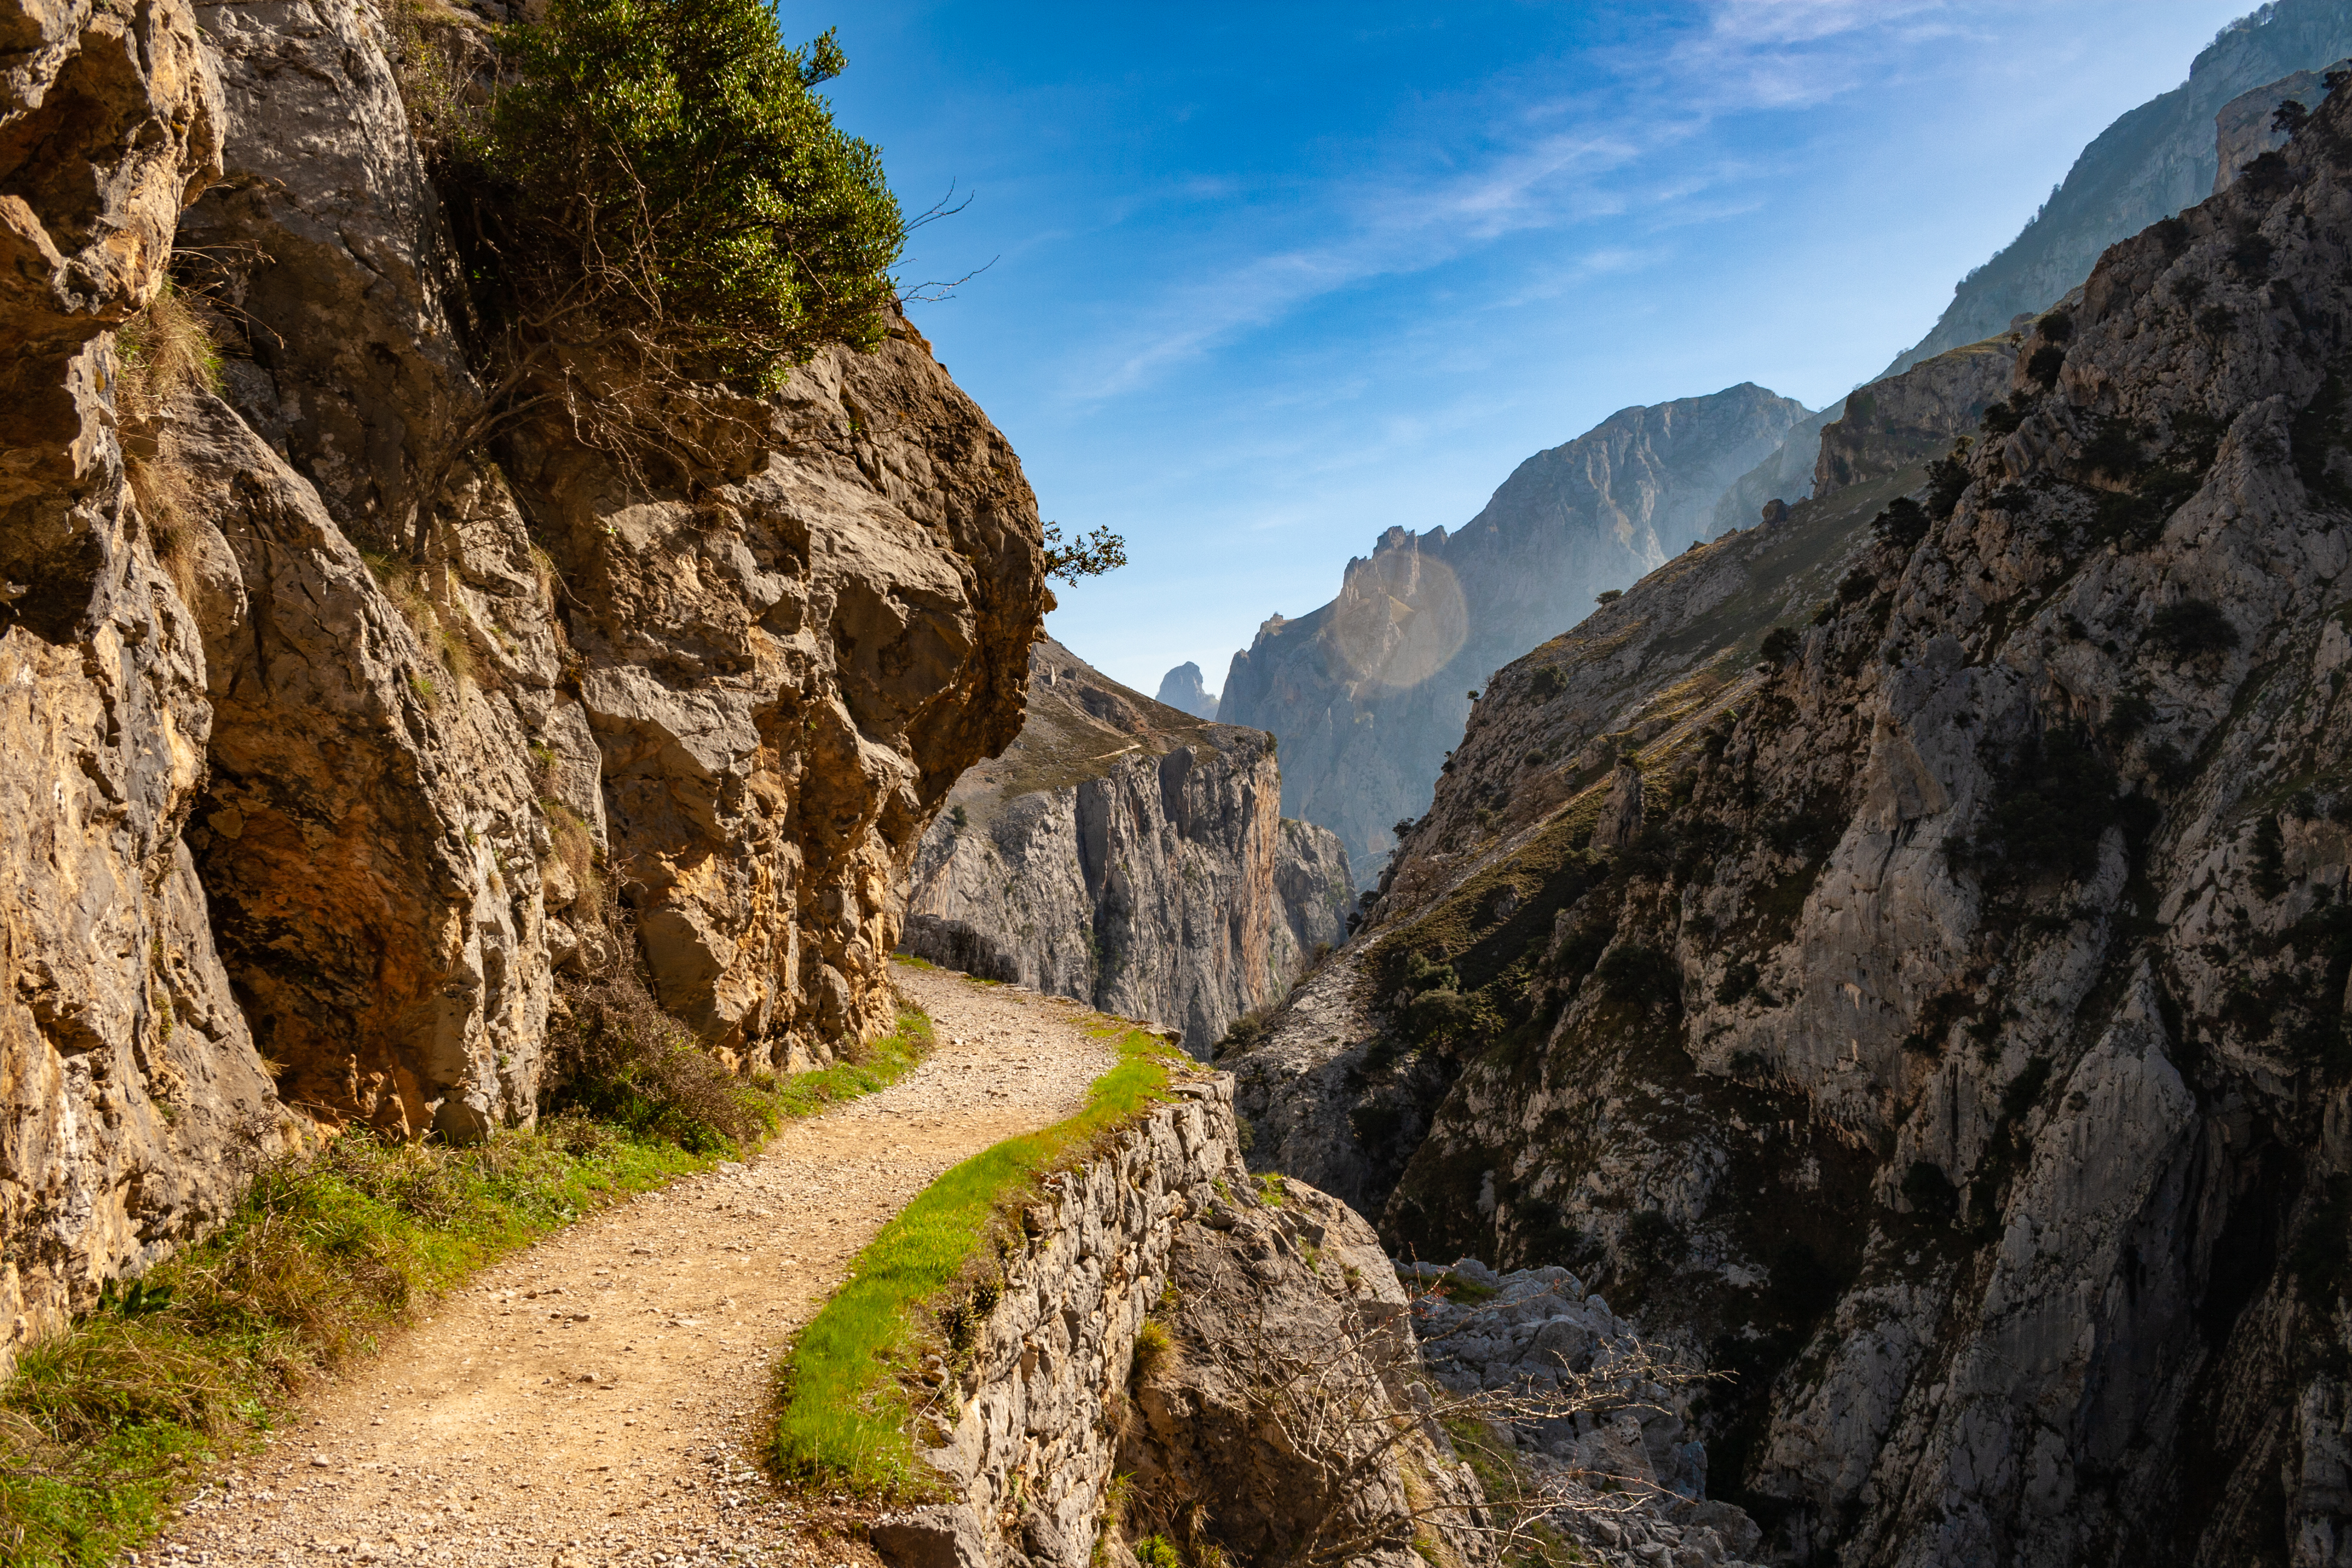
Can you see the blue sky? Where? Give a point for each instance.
(1268, 279)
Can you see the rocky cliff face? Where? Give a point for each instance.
(1365, 694)
(1130, 855)
(1335, 1093)
(2147, 165)
(2246, 127)
(301, 826)
(1953, 1047)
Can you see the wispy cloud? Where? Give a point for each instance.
(1524, 155)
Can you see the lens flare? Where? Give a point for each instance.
(1399, 619)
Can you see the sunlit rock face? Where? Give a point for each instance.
(1949, 1038)
(1367, 694)
(303, 834)
(1130, 854)
(134, 1100)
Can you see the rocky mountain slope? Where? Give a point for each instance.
(1366, 693)
(2148, 166)
(1130, 855)
(1943, 1025)
(303, 834)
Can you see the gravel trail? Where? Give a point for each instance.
(597, 1399)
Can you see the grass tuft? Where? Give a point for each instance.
(846, 1409)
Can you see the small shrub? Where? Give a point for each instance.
(2191, 629)
(2048, 817)
(1947, 479)
(1737, 981)
(1903, 524)
(2129, 715)
(2000, 419)
(2269, 876)
(690, 141)
(1154, 1347)
(1652, 1241)
(960, 817)
(1641, 973)
(1609, 596)
(2215, 320)
(624, 1061)
(2171, 235)
(2114, 450)
(1548, 682)
(1441, 1015)
(1779, 646)
(2043, 365)
(2266, 176)
(2057, 327)
(164, 350)
(1244, 1033)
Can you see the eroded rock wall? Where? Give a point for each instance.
(302, 823)
(1131, 855)
(745, 687)
(1953, 1050)
(135, 1099)
(1045, 1397)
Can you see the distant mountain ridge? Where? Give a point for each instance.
(2152, 162)
(1368, 692)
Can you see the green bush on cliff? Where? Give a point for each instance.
(660, 177)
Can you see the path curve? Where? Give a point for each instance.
(596, 1399)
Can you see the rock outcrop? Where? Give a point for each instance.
(1955, 1052)
(1181, 690)
(1366, 693)
(1130, 855)
(2247, 126)
(301, 825)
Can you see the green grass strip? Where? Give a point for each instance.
(101, 1425)
(845, 1411)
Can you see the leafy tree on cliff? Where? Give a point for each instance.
(655, 204)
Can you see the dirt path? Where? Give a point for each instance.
(598, 1399)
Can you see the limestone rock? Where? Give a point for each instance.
(1128, 855)
(135, 1102)
(269, 780)
(2244, 128)
(1259, 1294)
(1535, 1328)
